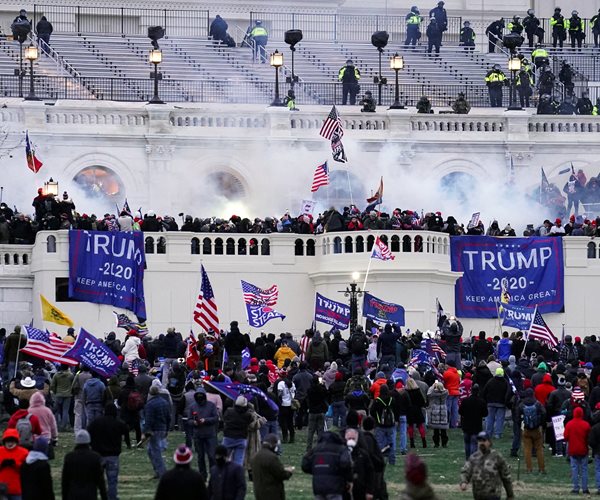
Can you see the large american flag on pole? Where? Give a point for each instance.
(540, 330)
(333, 123)
(321, 177)
(381, 251)
(46, 345)
(257, 296)
(205, 312)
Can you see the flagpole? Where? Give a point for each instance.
(499, 320)
(17, 357)
(527, 339)
(367, 273)
(349, 186)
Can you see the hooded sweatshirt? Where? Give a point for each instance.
(577, 432)
(37, 407)
(10, 473)
(543, 390)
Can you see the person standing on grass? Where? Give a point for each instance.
(472, 412)
(487, 470)
(156, 427)
(60, 386)
(36, 478)
(227, 480)
(236, 422)
(533, 416)
(577, 432)
(12, 458)
(181, 482)
(82, 476)
(268, 473)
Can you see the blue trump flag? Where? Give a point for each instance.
(245, 358)
(381, 311)
(91, 352)
(331, 312)
(108, 268)
(232, 391)
(259, 314)
(531, 270)
(518, 317)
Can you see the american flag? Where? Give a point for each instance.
(381, 251)
(124, 322)
(433, 348)
(419, 357)
(540, 330)
(321, 177)
(333, 123)
(205, 312)
(32, 161)
(255, 295)
(46, 345)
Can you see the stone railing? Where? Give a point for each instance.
(15, 259)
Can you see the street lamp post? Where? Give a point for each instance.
(31, 54)
(396, 63)
(276, 61)
(155, 58)
(353, 291)
(51, 187)
(292, 37)
(514, 65)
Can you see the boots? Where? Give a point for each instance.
(412, 442)
(424, 442)
(444, 439)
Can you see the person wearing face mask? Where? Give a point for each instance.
(203, 417)
(268, 473)
(363, 472)
(227, 480)
(488, 472)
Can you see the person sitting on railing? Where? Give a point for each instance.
(584, 104)
(467, 36)
(494, 33)
(368, 103)
(424, 105)
(531, 24)
(44, 29)
(461, 106)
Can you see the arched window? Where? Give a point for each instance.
(101, 183)
(241, 246)
(370, 242)
(406, 242)
(25, 259)
(418, 243)
(298, 247)
(310, 248)
(206, 246)
(195, 246)
(360, 244)
(218, 246)
(591, 247)
(149, 245)
(265, 247)
(395, 246)
(230, 246)
(51, 244)
(337, 245)
(161, 246)
(253, 246)
(348, 244)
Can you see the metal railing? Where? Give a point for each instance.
(347, 27)
(545, 25)
(124, 21)
(246, 92)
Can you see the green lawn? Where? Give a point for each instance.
(444, 467)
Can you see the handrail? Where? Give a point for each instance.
(62, 65)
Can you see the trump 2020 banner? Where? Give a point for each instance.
(529, 269)
(331, 312)
(89, 351)
(108, 268)
(518, 317)
(382, 311)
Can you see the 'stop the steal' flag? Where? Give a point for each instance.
(331, 312)
(91, 352)
(259, 315)
(108, 268)
(530, 271)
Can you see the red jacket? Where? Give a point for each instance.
(36, 428)
(452, 381)
(543, 390)
(576, 434)
(376, 387)
(11, 474)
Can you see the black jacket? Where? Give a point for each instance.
(317, 398)
(236, 421)
(36, 481)
(107, 435)
(181, 482)
(226, 482)
(594, 439)
(482, 349)
(386, 344)
(82, 475)
(472, 412)
(44, 27)
(330, 464)
(496, 391)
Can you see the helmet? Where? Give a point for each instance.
(414, 8)
(557, 9)
(530, 12)
(574, 13)
(516, 18)
(258, 21)
(496, 66)
(349, 62)
(466, 23)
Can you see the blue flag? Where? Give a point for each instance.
(232, 391)
(258, 314)
(108, 268)
(91, 352)
(400, 374)
(419, 357)
(245, 358)
(331, 312)
(518, 317)
(382, 311)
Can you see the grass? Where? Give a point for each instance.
(444, 471)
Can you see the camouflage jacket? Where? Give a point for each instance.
(487, 472)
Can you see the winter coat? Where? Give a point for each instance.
(330, 465)
(37, 407)
(11, 462)
(386, 344)
(208, 412)
(236, 422)
(36, 428)
(317, 353)
(226, 482)
(61, 383)
(82, 475)
(472, 411)
(107, 434)
(437, 413)
(183, 483)
(594, 439)
(452, 381)
(496, 391)
(131, 349)
(36, 478)
(158, 415)
(283, 353)
(417, 401)
(544, 390)
(94, 392)
(268, 475)
(376, 387)
(576, 435)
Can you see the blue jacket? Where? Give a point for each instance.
(93, 391)
(158, 415)
(504, 349)
(207, 411)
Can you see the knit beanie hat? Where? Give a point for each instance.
(83, 437)
(416, 470)
(241, 401)
(578, 394)
(183, 455)
(499, 372)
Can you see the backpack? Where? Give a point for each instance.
(25, 430)
(135, 402)
(388, 418)
(357, 343)
(531, 419)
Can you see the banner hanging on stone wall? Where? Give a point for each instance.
(531, 270)
(108, 268)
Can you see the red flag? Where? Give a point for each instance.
(191, 353)
(32, 162)
(378, 196)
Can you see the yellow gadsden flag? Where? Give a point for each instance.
(53, 314)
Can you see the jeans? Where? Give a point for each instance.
(156, 444)
(358, 361)
(579, 467)
(402, 432)
(452, 406)
(516, 428)
(93, 411)
(495, 420)
(597, 468)
(61, 411)
(339, 414)
(470, 444)
(316, 423)
(270, 427)
(237, 449)
(79, 412)
(532, 439)
(168, 362)
(328, 497)
(260, 51)
(205, 445)
(111, 469)
(386, 436)
(454, 356)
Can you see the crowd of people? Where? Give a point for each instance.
(362, 397)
